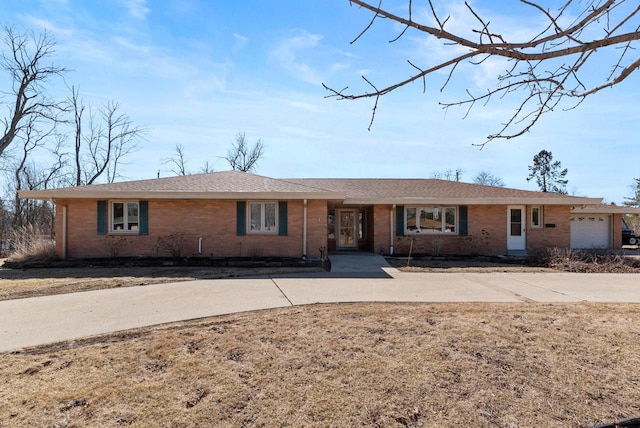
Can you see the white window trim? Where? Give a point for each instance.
(540, 220)
(125, 213)
(442, 230)
(262, 219)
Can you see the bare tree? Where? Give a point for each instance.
(121, 138)
(5, 228)
(179, 161)
(102, 148)
(207, 167)
(241, 157)
(28, 175)
(542, 68)
(449, 174)
(487, 179)
(25, 57)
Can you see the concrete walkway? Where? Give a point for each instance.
(41, 320)
(358, 265)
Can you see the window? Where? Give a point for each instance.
(331, 227)
(125, 216)
(536, 217)
(430, 219)
(262, 217)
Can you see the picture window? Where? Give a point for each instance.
(263, 217)
(125, 217)
(430, 219)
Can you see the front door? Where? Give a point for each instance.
(516, 228)
(347, 232)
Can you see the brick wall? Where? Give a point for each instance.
(556, 230)
(486, 233)
(316, 227)
(617, 230)
(184, 226)
(381, 241)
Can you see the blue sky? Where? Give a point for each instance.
(197, 72)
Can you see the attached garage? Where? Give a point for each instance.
(598, 226)
(591, 231)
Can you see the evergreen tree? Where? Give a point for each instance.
(548, 174)
(634, 200)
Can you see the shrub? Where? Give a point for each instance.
(28, 243)
(171, 245)
(569, 260)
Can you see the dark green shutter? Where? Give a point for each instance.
(282, 218)
(102, 217)
(241, 219)
(400, 220)
(143, 219)
(463, 222)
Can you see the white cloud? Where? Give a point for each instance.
(241, 41)
(290, 54)
(39, 23)
(130, 46)
(201, 88)
(137, 8)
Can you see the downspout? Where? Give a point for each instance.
(393, 209)
(64, 231)
(304, 231)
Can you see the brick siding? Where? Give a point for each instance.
(555, 230)
(181, 225)
(487, 234)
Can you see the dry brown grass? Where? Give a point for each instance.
(22, 283)
(30, 244)
(376, 365)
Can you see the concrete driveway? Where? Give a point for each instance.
(41, 320)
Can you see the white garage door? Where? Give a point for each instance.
(590, 231)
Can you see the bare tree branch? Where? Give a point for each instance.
(487, 179)
(241, 157)
(25, 60)
(179, 161)
(28, 175)
(102, 148)
(565, 43)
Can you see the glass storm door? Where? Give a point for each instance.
(347, 229)
(516, 228)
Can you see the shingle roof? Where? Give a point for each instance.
(359, 190)
(240, 185)
(604, 209)
(217, 185)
